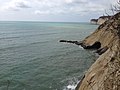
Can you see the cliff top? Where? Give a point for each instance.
(103, 17)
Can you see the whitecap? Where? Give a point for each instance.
(72, 84)
(71, 87)
(81, 47)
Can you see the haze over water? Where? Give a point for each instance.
(32, 58)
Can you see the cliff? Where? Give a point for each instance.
(100, 20)
(104, 74)
(94, 21)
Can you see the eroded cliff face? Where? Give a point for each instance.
(100, 20)
(104, 74)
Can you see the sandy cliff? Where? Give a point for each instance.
(100, 20)
(94, 21)
(104, 74)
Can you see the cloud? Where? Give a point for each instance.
(50, 11)
(57, 6)
(15, 5)
(68, 6)
(22, 5)
(42, 12)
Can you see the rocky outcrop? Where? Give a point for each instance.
(73, 42)
(100, 20)
(94, 21)
(104, 74)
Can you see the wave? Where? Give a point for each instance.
(72, 84)
(3, 38)
(39, 34)
(24, 45)
(9, 48)
(38, 42)
(71, 87)
(14, 37)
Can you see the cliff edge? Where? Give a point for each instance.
(104, 74)
(100, 20)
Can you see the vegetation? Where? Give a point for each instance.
(115, 8)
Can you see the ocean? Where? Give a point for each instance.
(32, 58)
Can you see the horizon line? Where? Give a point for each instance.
(44, 21)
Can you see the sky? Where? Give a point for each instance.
(53, 10)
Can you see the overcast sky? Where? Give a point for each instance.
(53, 10)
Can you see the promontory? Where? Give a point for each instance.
(104, 74)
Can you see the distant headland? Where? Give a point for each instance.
(100, 20)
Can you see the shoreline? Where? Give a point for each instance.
(107, 37)
(106, 41)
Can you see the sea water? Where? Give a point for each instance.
(32, 58)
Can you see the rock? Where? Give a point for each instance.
(102, 50)
(94, 21)
(80, 83)
(69, 41)
(100, 20)
(104, 74)
(63, 41)
(96, 45)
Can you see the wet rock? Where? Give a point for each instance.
(73, 42)
(102, 50)
(96, 45)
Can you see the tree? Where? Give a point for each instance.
(116, 8)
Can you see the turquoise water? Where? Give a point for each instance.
(32, 58)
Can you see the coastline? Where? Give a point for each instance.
(104, 74)
(99, 76)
